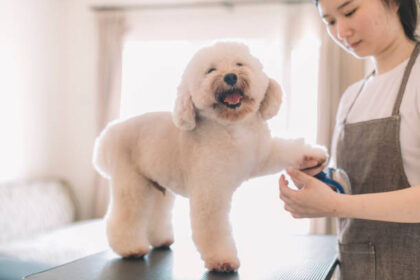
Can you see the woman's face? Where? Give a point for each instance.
(362, 27)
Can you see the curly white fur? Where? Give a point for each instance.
(204, 150)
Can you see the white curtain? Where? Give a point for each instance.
(111, 27)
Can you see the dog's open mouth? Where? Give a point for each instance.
(231, 98)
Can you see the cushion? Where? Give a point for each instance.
(61, 245)
(28, 207)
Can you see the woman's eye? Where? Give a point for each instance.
(239, 64)
(331, 22)
(350, 13)
(211, 70)
(328, 20)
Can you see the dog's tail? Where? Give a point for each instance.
(104, 149)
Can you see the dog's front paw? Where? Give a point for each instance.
(220, 258)
(313, 156)
(222, 264)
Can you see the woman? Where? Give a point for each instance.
(376, 141)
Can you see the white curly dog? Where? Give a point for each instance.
(215, 139)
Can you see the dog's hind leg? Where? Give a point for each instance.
(159, 231)
(129, 212)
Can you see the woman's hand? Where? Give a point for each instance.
(312, 199)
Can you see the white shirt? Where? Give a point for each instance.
(377, 101)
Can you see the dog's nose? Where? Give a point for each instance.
(231, 79)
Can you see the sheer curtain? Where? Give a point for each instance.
(111, 27)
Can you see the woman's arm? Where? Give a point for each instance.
(315, 199)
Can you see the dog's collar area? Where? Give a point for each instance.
(231, 98)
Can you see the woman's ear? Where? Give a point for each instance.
(183, 115)
(270, 105)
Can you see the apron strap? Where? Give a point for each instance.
(357, 96)
(414, 54)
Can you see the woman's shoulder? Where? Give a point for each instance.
(352, 90)
(346, 99)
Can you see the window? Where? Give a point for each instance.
(152, 68)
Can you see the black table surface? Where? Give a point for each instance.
(288, 257)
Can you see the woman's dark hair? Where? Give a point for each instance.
(407, 12)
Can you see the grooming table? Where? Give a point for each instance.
(288, 257)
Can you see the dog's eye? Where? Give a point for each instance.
(211, 70)
(239, 64)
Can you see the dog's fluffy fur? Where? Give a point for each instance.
(216, 138)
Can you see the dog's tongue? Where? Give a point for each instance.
(233, 98)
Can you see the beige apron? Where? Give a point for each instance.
(370, 153)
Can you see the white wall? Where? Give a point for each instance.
(30, 30)
(47, 93)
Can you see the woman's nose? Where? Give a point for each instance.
(343, 30)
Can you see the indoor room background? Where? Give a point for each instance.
(69, 67)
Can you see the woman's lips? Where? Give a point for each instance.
(355, 45)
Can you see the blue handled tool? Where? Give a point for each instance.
(328, 179)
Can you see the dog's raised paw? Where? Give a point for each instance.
(316, 153)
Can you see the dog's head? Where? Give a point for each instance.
(224, 82)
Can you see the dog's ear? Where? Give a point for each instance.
(184, 113)
(270, 105)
